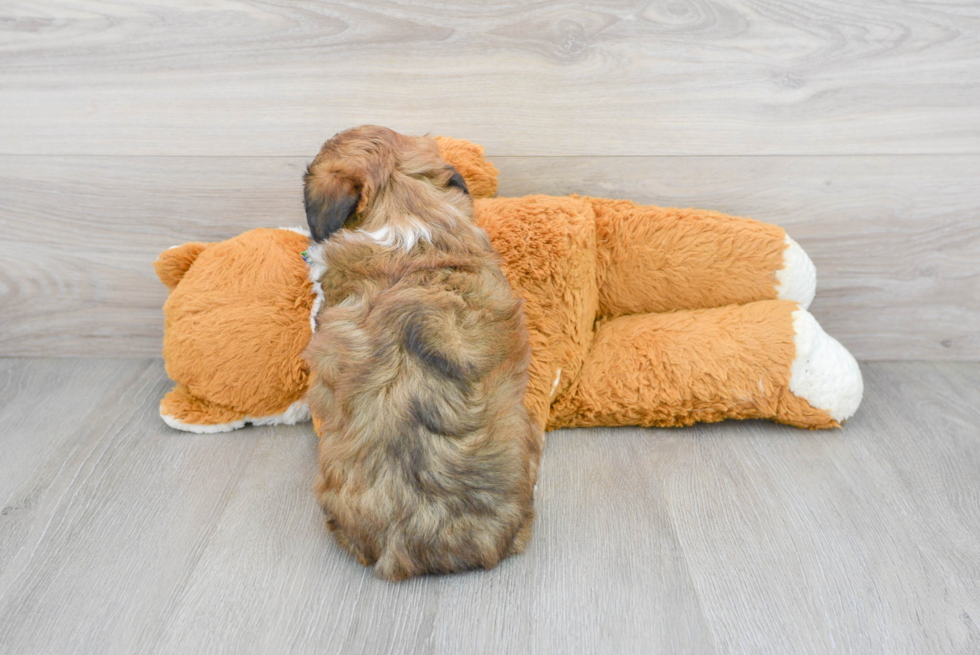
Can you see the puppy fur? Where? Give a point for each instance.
(419, 364)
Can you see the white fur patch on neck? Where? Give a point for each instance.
(318, 268)
(404, 235)
(317, 261)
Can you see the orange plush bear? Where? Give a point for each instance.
(637, 315)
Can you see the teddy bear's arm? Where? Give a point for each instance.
(172, 264)
(656, 259)
(768, 359)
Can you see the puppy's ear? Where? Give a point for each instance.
(457, 181)
(331, 202)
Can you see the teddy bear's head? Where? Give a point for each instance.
(236, 322)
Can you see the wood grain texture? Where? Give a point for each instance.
(632, 591)
(681, 77)
(925, 462)
(105, 513)
(896, 240)
(120, 535)
(793, 549)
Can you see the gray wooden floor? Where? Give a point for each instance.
(119, 535)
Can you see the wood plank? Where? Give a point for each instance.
(793, 549)
(895, 239)
(734, 537)
(243, 77)
(81, 234)
(107, 527)
(38, 437)
(603, 573)
(925, 462)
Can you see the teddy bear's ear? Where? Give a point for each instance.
(173, 263)
(467, 158)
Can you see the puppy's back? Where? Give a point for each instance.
(433, 467)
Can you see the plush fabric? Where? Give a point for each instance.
(468, 159)
(660, 259)
(637, 315)
(547, 251)
(236, 322)
(679, 368)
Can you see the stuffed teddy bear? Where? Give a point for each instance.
(637, 315)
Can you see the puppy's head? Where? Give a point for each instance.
(369, 176)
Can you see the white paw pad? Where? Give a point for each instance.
(824, 373)
(298, 412)
(797, 279)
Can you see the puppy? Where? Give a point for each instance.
(419, 364)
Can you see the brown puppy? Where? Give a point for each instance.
(419, 363)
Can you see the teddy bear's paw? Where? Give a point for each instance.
(182, 410)
(797, 279)
(298, 412)
(824, 373)
(201, 428)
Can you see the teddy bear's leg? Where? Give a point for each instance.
(768, 359)
(182, 410)
(656, 259)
